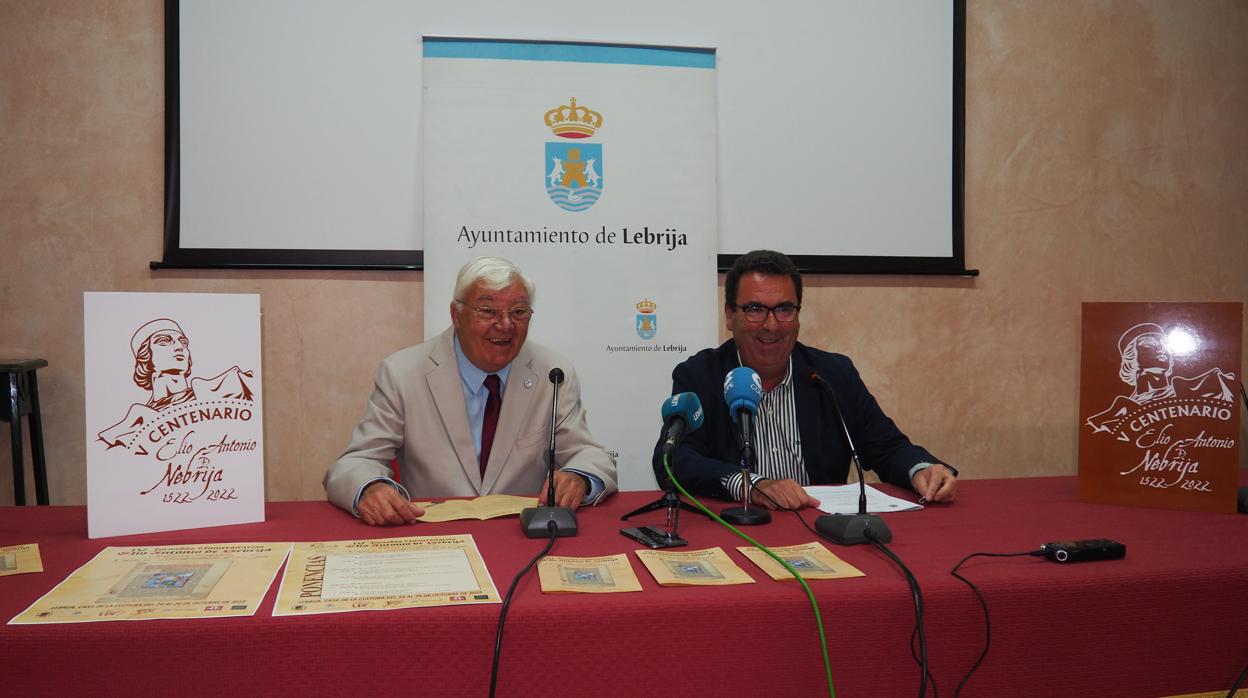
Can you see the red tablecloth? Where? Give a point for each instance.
(1171, 618)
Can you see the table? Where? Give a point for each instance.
(1171, 618)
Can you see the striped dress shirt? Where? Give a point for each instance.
(778, 443)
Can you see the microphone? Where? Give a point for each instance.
(556, 378)
(682, 413)
(550, 521)
(742, 391)
(857, 528)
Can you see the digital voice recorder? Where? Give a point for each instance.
(1084, 550)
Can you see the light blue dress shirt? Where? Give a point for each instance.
(476, 394)
(475, 397)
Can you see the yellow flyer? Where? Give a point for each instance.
(708, 567)
(384, 574)
(20, 559)
(489, 506)
(812, 561)
(592, 575)
(173, 581)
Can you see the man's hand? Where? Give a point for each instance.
(570, 490)
(383, 505)
(936, 483)
(785, 493)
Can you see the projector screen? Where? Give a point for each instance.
(293, 127)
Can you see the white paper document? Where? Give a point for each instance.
(384, 574)
(400, 573)
(843, 499)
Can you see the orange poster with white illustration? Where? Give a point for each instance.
(1159, 404)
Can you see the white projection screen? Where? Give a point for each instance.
(293, 126)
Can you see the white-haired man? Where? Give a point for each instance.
(468, 413)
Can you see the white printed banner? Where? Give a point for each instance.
(174, 427)
(593, 168)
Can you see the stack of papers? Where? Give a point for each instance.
(843, 499)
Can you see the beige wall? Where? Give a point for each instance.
(1107, 159)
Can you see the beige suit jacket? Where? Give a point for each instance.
(417, 413)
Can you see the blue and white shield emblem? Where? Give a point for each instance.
(647, 325)
(574, 174)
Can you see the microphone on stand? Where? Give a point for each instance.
(536, 522)
(682, 413)
(742, 391)
(850, 529)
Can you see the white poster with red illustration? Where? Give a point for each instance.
(174, 418)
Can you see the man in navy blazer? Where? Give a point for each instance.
(798, 439)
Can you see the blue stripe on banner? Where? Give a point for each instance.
(442, 47)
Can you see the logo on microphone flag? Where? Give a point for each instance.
(647, 321)
(746, 374)
(573, 168)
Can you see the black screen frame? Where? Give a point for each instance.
(178, 257)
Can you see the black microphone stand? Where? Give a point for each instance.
(851, 529)
(1242, 493)
(536, 521)
(655, 537)
(745, 515)
(669, 501)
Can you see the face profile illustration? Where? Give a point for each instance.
(164, 368)
(162, 363)
(1146, 364)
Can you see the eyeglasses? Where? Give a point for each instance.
(519, 315)
(757, 312)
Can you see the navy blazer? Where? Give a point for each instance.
(710, 453)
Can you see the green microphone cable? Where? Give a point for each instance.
(823, 640)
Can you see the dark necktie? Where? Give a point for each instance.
(493, 405)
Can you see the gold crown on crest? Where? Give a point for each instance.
(646, 307)
(571, 121)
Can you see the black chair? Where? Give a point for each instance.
(22, 398)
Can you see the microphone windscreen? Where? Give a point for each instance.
(742, 391)
(687, 406)
(556, 375)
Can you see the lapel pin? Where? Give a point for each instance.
(528, 382)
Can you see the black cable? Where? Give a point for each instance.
(502, 615)
(917, 593)
(1242, 675)
(926, 675)
(914, 654)
(983, 604)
